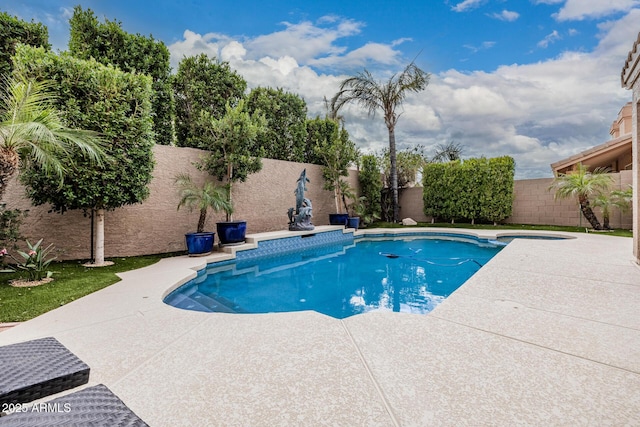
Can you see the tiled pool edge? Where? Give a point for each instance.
(263, 244)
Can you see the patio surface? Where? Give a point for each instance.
(547, 333)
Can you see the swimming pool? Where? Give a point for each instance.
(402, 274)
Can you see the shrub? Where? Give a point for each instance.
(476, 189)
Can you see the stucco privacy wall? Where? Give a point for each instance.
(533, 204)
(155, 226)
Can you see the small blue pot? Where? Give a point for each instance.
(338, 219)
(231, 232)
(353, 222)
(199, 243)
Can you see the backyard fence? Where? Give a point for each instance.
(533, 204)
(156, 226)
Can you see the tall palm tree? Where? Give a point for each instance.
(32, 131)
(583, 184)
(366, 91)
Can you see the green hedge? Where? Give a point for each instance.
(13, 31)
(475, 189)
(101, 98)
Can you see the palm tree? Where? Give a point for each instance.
(32, 131)
(605, 203)
(447, 153)
(202, 197)
(583, 184)
(387, 96)
(620, 199)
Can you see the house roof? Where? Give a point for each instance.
(629, 73)
(600, 155)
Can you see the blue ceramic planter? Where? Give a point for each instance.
(199, 243)
(353, 222)
(232, 232)
(338, 219)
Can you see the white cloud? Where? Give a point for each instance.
(466, 5)
(305, 40)
(584, 9)
(284, 65)
(506, 15)
(308, 43)
(483, 46)
(538, 113)
(550, 38)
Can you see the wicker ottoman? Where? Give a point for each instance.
(94, 406)
(35, 369)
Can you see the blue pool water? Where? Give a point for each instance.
(403, 275)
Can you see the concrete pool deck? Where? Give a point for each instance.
(546, 333)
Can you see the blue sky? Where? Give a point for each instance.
(535, 79)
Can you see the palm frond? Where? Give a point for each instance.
(31, 126)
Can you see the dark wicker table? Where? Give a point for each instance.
(94, 406)
(35, 369)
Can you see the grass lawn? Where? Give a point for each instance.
(622, 233)
(71, 281)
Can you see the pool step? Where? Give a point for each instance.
(200, 302)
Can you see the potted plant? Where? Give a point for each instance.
(231, 141)
(337, 152)
(193, 196)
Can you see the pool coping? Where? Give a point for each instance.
(547, 332)
(229, 253)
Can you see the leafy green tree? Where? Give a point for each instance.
(232, 143)
(33, 132)
(108, 43)
(286, 115)
(496, 190)
(10, 222)
(318, 131)
(387, 97)
(106, 100)
(409, 162)
(370, 185)
(13, 31)
(208, 195)
(203, 84)
(337, 152)
(434, 196)
(583, 184)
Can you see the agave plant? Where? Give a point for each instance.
(208, 195)
(35, 261)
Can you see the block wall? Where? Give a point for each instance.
(156, 226)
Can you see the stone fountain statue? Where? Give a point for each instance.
(300, 217)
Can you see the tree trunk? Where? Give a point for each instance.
(201, 220)
(394, 172)
(605, 222)
(99, 248)
(588, 214)
(230, 181)
(9, 161)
